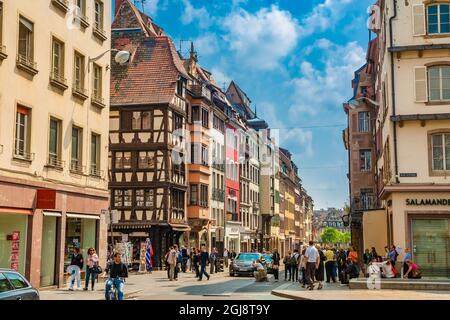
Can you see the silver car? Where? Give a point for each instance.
(13, 286)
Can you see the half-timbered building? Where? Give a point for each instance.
(147, 118)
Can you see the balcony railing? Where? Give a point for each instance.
(76, 167)
(58, 80)
(23, 155)
(26, 64)
(201, 91)
(94, 171)
(97, 100)
(366, 202)
(219, 166)
(99, 32)
(79, 91)
(218, 195)
(54, 161)
(81, 17)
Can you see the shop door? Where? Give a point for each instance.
(48, 254)
(430, 246)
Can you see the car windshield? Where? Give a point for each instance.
(267, 257)
(247, 256)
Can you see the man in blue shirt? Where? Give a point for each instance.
(407, 257)
(204, 259)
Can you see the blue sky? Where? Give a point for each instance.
(294, 58)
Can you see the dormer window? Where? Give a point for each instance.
(181, 87)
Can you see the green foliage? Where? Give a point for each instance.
(332, 236)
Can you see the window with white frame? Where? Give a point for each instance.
(364, 121)
(438, 18)
(440, 145)
(22, 141)
(439, 83)
(365, 160)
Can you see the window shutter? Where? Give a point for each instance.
(418, 20)
(420, 79)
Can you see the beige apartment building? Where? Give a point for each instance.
(413, 122)
(54, 109)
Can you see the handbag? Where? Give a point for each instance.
(97, 269)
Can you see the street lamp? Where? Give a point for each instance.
(354, 103)
(121, 57)
(346, 220)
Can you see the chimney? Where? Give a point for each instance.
(117, 4)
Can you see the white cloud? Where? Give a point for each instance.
(192, 14)
(319, 90)
(300, 140)
(262, 39)
(152, 7)
(324, 16)
(220, 77)
(207, 44)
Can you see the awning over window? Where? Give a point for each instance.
(82, 216)
(179, 227)
(16, 211)
(52, 214)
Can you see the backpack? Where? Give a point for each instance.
(293, 260)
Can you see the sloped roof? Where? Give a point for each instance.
(152, 73)
(129, 17)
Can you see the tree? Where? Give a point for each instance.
(344, 237)
(330, 235)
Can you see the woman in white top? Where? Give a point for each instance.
(92, 262)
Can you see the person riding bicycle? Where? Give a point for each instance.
(117, 274)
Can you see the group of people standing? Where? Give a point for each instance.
(196, 261)
(77, 264)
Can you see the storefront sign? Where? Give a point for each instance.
(15, 251)
(428, 202)
(46, 199)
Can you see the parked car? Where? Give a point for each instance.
(242, 265)
(268, 262)
(13, 286)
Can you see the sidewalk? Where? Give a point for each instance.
(336, 292)
(135, 285)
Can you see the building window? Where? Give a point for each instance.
(364, 121)
(57, 60)
(205, 118)
(441, 151)
(439, 83)
(195, 113)
(97, 85)
(147, 160)
(180, 88)
(78, 66)
(218, 124)
(204, 196)
(54, 148)
(177, 121)
(365, 158)
(22, 138)
(177, 204)
(193, 195)
(128, 198)
(81, 4)
(438, 18)
(144, 198)
(77, 137)
(98, 15)
(26, 40)
(118, 198)
(123, 160)
(140, 120)
(95, 155)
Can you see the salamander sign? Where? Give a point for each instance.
(428, 202)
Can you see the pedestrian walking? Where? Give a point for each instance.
(287, 266)
(212, 261)
(302, 266)
(196, 261)
(406, 258)
(75, 267)
(225, 257)
(191, 258)
(276, 264)
(185, 258)
(330, 264)
(172, 262)
(341, 259)
(233, 255)
(294, 265)
(204, 259)
(91, 268)
(320, 269)
(178, 263)
(312, 263)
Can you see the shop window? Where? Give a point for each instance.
(80, 233)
